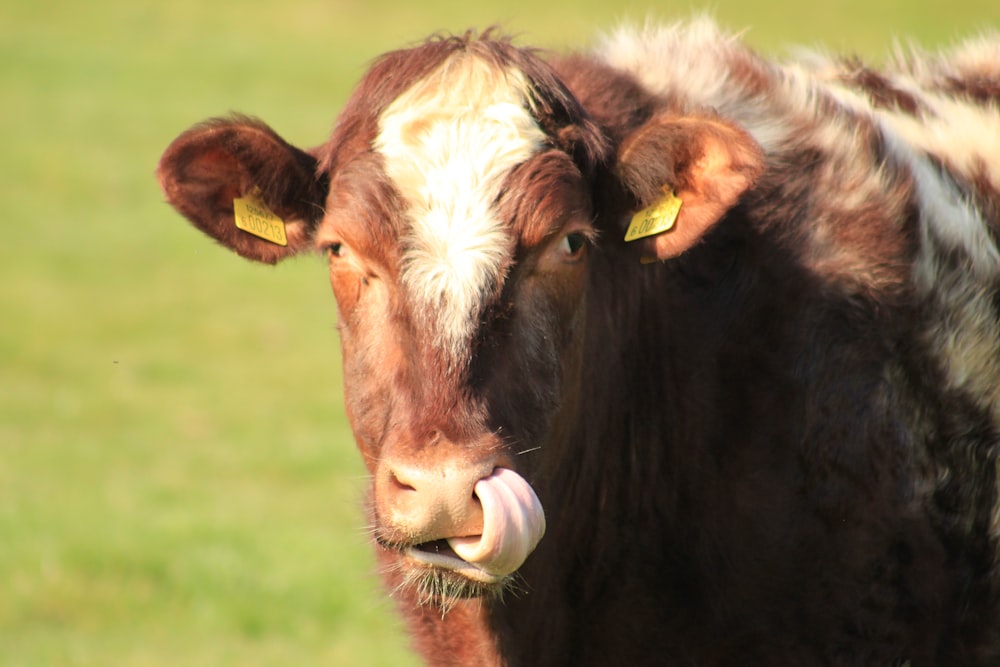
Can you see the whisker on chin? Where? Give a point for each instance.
(433, 587)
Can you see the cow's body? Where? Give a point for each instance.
(779, 446)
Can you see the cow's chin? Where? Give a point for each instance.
(434, 576)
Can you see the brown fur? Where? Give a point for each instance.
(749, 454)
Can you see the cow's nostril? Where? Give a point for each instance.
(399, 484)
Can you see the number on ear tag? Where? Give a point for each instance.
(253, 216)
(655, 218)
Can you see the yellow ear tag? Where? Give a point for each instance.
(253, 216)
(656, 218)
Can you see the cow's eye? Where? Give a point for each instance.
(573, 245)
(336, 250)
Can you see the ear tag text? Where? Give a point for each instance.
(253, 216)
(656, 218)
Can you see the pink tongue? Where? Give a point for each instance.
(513, 523)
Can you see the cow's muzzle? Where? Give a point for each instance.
(475, 522)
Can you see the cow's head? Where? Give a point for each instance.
(455, 202)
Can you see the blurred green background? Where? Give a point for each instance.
(177, 481)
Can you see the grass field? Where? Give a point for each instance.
(178, 483)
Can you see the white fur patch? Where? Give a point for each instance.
(965, 136)
(964, 329)
(449, 143)
(693, 64)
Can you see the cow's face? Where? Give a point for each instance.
(455, 358)
(453, 203)
(458, 238)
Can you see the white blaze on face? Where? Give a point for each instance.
(449, 142)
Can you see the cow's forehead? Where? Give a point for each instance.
(449, 143)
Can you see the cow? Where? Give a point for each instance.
(658, 353)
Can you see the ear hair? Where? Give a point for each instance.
(585, 143)
(213, 163)
(707, 162)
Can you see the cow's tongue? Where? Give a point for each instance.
(513, 524)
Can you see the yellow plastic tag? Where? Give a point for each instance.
(656, 218)
(253, 216)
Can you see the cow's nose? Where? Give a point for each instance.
(422, 503)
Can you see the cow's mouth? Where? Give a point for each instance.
(513, 524)
(439, 554)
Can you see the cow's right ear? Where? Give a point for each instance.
(704, 162)
(278, 195)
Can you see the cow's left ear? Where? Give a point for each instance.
(245, 186)
(704, 162)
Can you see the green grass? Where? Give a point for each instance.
(178, 483)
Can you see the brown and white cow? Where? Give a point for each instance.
(765, 436)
